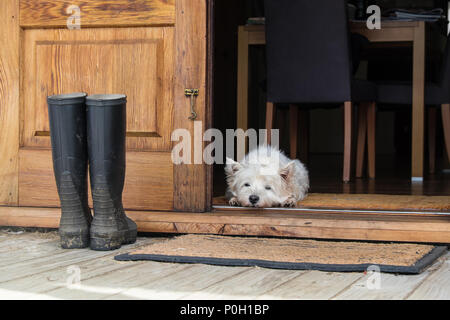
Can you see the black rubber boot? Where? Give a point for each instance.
(67, 116)
(106, 116)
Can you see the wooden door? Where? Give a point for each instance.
(150, 50)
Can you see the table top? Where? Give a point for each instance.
(358, 24)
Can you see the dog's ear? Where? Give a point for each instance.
(231, 167)
(287, 170)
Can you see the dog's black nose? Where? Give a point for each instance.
(253, 199)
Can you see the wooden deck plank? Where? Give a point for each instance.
(48, 281)
(12, 240)
(312, 285)
(247, 285)
(14, 254)
(56, 278)
(131, 275)
(181, 284)
(59, 258)
(23, 246)
(45, 277)
(436, 286)
(392, 287)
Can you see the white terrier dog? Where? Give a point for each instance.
(266, 178)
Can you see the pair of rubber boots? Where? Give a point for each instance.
(90, 129)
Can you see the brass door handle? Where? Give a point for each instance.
(192, 93)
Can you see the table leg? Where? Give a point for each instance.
(242, 79)
(348, 140)
(371, 133)
(418, 103)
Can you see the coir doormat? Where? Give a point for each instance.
(368, 202)
(290, 253)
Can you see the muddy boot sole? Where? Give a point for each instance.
(106, 243)
(74, 240)
(103, 239)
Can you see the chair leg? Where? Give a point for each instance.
(361, 139)
(446, 124)
(348, 109)
(371, 128)
(293, 130)
(270, 120)
(304, 135)
(431, 140)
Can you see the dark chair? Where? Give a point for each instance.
(309, 62)
(436, 94)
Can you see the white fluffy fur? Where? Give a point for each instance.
(270, 176)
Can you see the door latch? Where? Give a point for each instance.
(192, 93)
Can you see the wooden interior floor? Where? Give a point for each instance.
(33, 266)
(393, 177)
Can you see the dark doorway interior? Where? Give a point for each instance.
(326, 128)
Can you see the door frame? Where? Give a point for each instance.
(192, 182)
(9, 102)
(318, 224)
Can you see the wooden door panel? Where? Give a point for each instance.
(53, 13)
(134, 61)
(148, 181)
(151, 50)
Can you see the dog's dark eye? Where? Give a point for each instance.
(247, 185)
(268, 188)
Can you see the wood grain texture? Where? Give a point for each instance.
(337, 225)
(148, 181)
(53, 13)
(9, 102)
(135, 61)
(190, 180)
